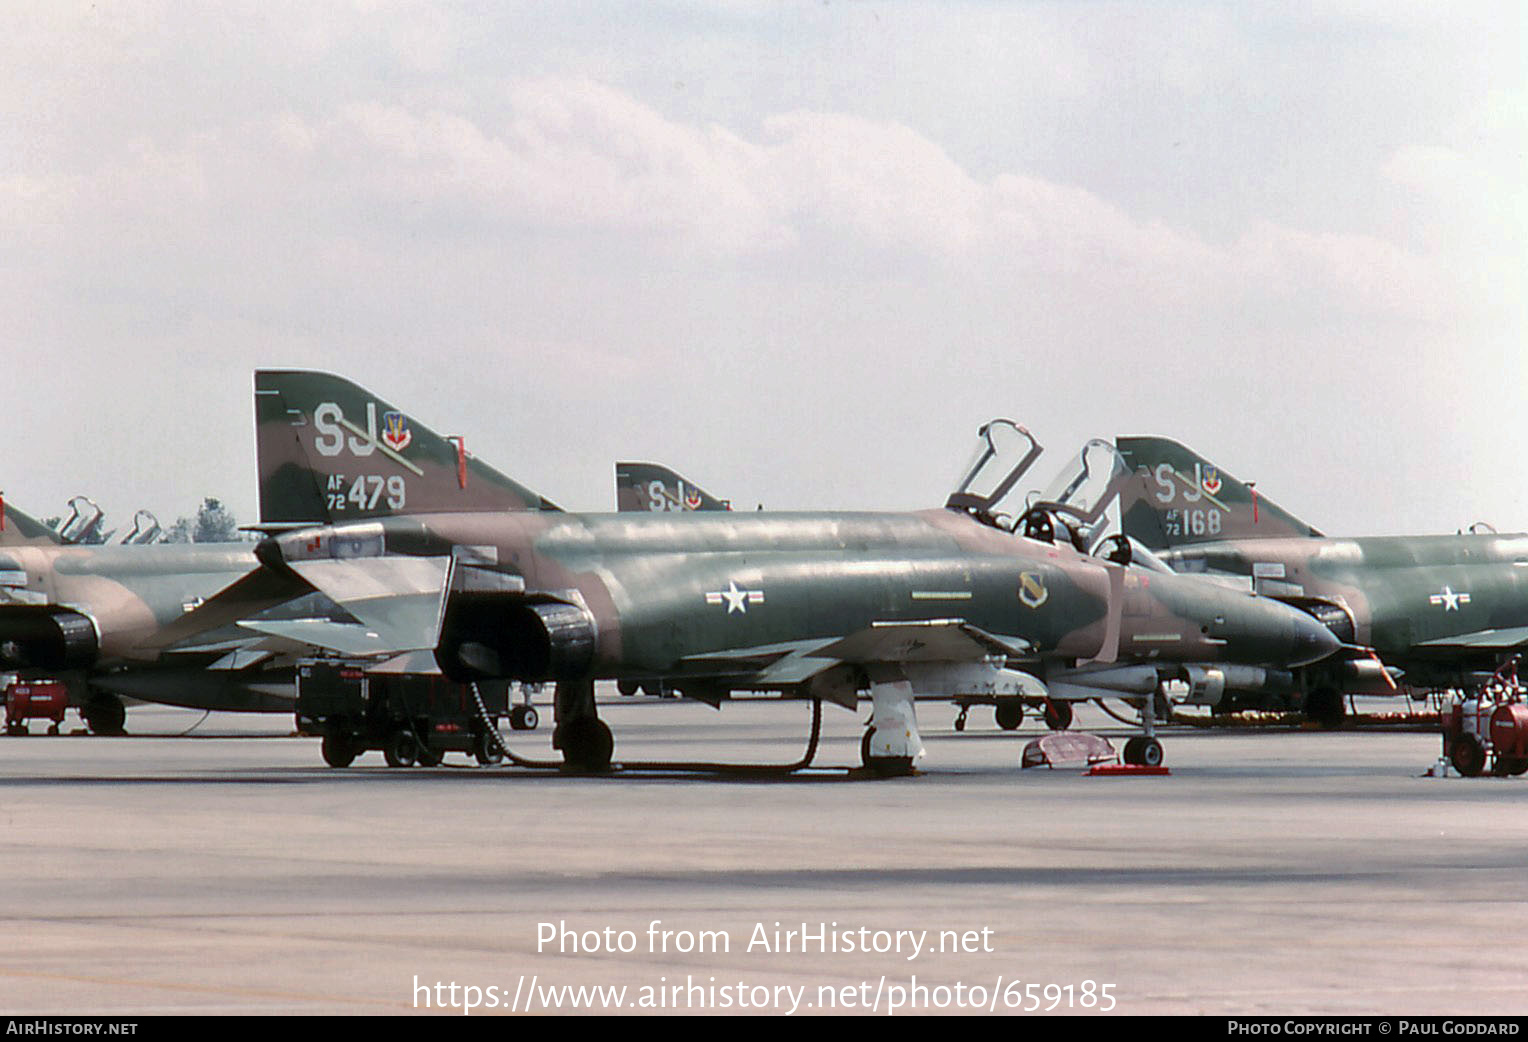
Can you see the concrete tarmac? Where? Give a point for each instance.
(1275, 872)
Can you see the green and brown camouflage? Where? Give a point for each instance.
(820, 605)
(1180, 499)
(19, 529)
(655, 488)
(96, 615)
(1440, 611)
(331, 452)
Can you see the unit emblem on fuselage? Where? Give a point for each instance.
(1032, 589)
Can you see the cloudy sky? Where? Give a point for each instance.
(798, 251)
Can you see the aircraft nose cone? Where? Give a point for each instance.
(1312, 641)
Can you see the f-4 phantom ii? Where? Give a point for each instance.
(94, 616)
(1430, 612)
(817, 605)
(654, 487)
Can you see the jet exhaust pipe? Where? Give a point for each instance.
(47, 638)
(491, 636)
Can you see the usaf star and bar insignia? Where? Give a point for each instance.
(736, 600)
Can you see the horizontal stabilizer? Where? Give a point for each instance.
(249, 595)
(398, 601)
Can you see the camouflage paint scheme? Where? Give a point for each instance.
(655, 488)
(93, 615)
(817, 604)
(1445, 610)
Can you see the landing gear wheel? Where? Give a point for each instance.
(1058, 715)
(1511, 766)
(960, 721)
(487, 749)
(338, 750)
(401, 750)
(586, 744)
(1009, 713)
(1324, 706)
(53, 728)
(1141, 751)
(429, 757)
(1468, 755)
(15, 727)
(883, 766)
(627, 688)
(104, 715)
(524, 718)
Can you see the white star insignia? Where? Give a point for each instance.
(1449, 599)
(735, 599)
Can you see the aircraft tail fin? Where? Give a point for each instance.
(1178, 497)
(329, 451)
(652, 486)
(21, 529)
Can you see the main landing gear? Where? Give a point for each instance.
(104, 714)
(891, 743)
(585, 739)
(1325, 706)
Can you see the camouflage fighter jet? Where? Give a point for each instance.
(817, 605)
(654, 487)
(1430, 612)
(95, 616)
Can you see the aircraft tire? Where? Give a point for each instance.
(104, 715)
(485, 747)
(1468, 755)
(1058, 715)
(1511, 766)
(1324, 707)
(400, 750)
(1142, 751)
(883, 766)
(627, 688)
(1009, 713)
(586, 744)
(523, 718)
(428, 757)
(338, 750)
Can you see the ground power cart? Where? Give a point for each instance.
(411, 718)
(1487, 730)
(34, 700)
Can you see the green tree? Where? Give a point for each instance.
(214, 524)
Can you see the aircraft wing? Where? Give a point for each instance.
(934, 640)
(1510, 638)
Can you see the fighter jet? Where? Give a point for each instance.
(1429, 612)
(817, 605)
(654, 487)
(95, 616)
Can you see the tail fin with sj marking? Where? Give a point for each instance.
(652, 486)
(1178, 497)
(329, 451)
